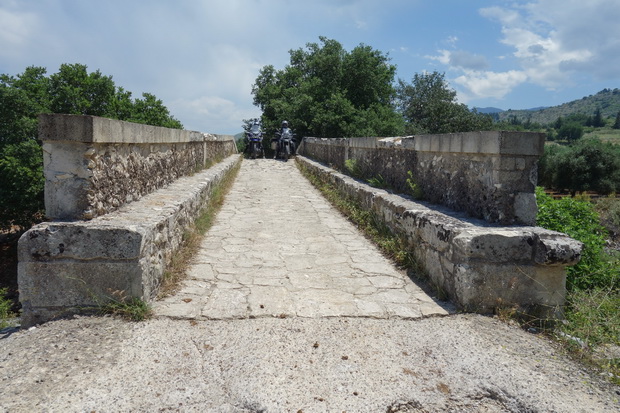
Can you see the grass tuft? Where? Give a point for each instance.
(132, 309)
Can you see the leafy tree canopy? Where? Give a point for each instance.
(327, 91)
(72, 90)
(429, 106)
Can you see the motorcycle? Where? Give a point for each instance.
(254, 139)
(286, 145)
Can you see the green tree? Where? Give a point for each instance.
(597, 120)
(328, 92)
(21, 184)
(429, 106)
(121, 106)
(617, 122)
(75, 91)
(21, 99)
(151, 111)
(571, 131)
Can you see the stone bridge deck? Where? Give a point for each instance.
(279, 249)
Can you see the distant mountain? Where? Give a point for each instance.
(489, 110)
(607, 100)
(498, 110)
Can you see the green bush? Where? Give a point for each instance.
(593, 316)
(378, 182)
(570, 131)
(5, 308)
(578, 218)
(353, 168)
(587, 165)
(414, 189)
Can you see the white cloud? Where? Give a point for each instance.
(199, 57)
(443, 57)
(489, 84)
(15, 29)
(554, 38)
(212, 114)
(551, 42)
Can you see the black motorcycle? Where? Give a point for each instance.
(254, 139)
(286, 144)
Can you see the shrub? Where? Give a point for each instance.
(414, 189)
(570, 131)
(609, 211)
(593, 316)
(587, 165)
(353, 168)
(578, 218)
(378, 182)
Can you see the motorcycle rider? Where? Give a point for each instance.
(278, 135)
(254, 128)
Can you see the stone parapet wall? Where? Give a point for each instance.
(75, 267)
(121, 196)
(480, 267)
(490, 175)
(95, 165)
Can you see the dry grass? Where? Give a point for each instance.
(192, 238)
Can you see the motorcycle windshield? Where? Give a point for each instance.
(287, 134)
(255, 129)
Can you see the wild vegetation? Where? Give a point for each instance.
(5, 308)
(593, 285)
(585, 165)
(583, 154)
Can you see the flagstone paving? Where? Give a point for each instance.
(279, 249)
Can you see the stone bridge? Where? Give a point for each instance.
(120, 196)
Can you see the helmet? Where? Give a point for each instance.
(284, 124)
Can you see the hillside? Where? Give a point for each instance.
(607, 100)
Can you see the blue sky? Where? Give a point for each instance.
(201, 57)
